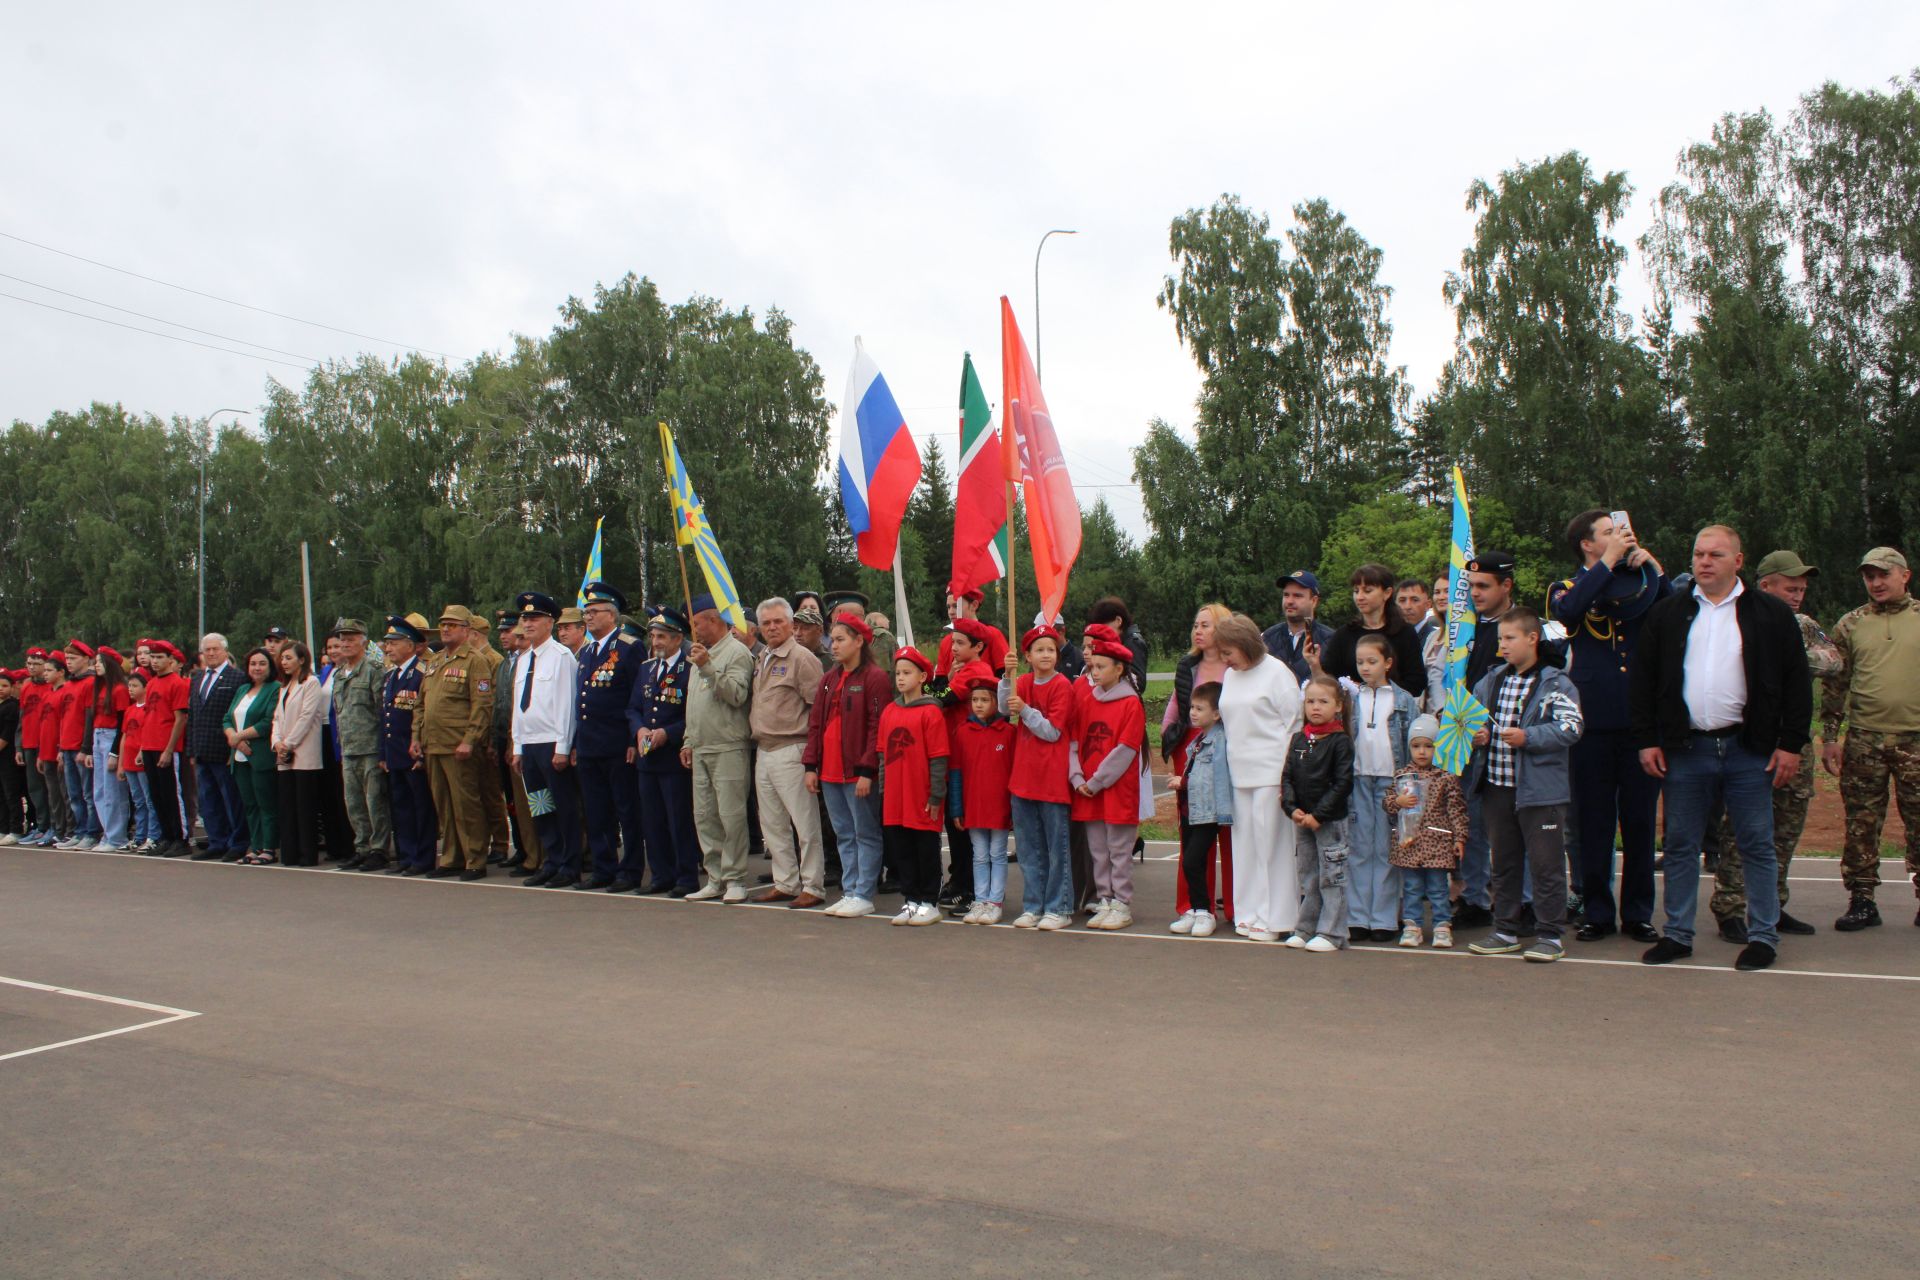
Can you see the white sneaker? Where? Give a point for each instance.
(973, 914)
(906, 913)
(1051, 921)
(1184, 924)
(1443, 936)
(708, 893)
(1240, 929)
(104, 847)
(1411, 936)
(1203, 924)
(854, 908)
(1262, 935)
(1321, 942)
(1026, 920)
(1119, 916)
(927, 913)
(1297, 941)
(989, 914)
(1100, 910)
(85, 843)
(9, 838)
(735, 893)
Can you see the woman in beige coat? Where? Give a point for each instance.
(296, 744)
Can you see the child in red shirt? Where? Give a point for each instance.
(1103, 763)
(985, 752)
(1041, 704)
(913, 783)
(145, 834)
(966, 648)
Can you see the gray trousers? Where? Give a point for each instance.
(1531, 838)
(1320, 864)
(366, 795)
(720, 784)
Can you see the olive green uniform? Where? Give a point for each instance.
(1876, 689)
(456, 706)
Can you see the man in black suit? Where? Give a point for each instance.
(209, 697)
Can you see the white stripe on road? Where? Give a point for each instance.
(173, 1015)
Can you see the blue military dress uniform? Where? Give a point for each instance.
(409, 795)
(659, 701)
(609, 786)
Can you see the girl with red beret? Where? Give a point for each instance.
(1104, 755)
(1041, 704)
(913, 785)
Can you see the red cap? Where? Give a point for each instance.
(36, 652)
(973, 629)
(1112, 649)
(856, 624)
(56, 655)
(972, 595)
(1040, 633)
(914, 656)
(167, 647)
(1100, 632)
(107, 652)
(80, 648)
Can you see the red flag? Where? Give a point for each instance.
(1032, 453)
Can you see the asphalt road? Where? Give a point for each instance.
(404, 1078)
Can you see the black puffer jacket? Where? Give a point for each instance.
(1319, 776)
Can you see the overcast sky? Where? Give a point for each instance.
(445, 175)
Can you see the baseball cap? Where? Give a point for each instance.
(1300, 578)
(1883, 558)
(1787, 564)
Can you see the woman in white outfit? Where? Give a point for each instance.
(1260, 707)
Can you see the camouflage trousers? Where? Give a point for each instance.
(1790, 804)
(1868, 763)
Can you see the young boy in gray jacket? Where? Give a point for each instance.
(1208, 786)
(1519, 771)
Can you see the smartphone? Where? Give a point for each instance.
(1620, 522)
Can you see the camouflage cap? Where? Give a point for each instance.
(1787, 564)
(1883, 558)
(347, 627)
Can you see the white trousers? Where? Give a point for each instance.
(1266, 888)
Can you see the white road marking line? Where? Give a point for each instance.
(172, 1014)
(1462, 953)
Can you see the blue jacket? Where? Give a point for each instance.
(399, 697)
(1209, 784)
(1603, 610)
(659, 701)
(1400, 720)
(1551, 717)
(606, 686)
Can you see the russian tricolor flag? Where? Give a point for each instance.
(879, 465)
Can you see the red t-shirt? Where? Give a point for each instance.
(911, 739)
(985, 756)
(75, 711)
(1099, 728)
(961, 706)
(996, 656)
(130, 738)
(116, 707)
(52, 702)
(1040, 768)
(31, 696)
(833, 764)
(165, 696)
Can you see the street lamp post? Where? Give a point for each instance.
(1057, 231)
(206, 446)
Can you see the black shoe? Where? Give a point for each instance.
(521, 872)
(767, 879)
(373, 866)
(397, 869)
(413, 871)
(173, 849)
(1755, 955)
(541, 878)
(517, 860)
(1790, 925)
(1593, 931)
(1640, 931)
(355, 865)
(474, 873)
(561, 882)
(887, 885)
(1666, 951)
(234, 855)
(496, 859)
(441, 873)
(208, 855)
(621, 885)
(1469, 916)
(1359, 935)
(655, 889)
(598, 882)
(1861, 914)
(1733, 930)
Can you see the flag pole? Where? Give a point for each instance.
(1013, 543)
(679, 551)
(900, 600)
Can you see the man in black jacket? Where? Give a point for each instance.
(210, 694)
(1720, 703)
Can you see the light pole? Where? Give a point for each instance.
(1057, 231)
(206, 446)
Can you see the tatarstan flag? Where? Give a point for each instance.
(1031, 452)
(980, 507)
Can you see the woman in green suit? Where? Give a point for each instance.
(249, 729)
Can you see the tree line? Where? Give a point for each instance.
(1771, 384)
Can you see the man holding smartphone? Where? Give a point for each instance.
(1602, 606)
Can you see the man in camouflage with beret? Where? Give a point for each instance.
(1875, 689)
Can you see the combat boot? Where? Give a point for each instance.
(1861, 914)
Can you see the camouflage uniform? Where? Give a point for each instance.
(1872, 758)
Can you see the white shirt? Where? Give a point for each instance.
(1714, 681)
(550, 714)
(1261, 709)
(1372, 747)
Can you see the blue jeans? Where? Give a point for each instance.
(856, 826)
(1373, 882)
(1704, 771)
(79, 780)
(1476, 867)
(989, 864)
(220, 810)
(1042, 830)
(146, 823)
(1420, 886)
(111, 802)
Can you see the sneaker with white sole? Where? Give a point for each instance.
(1100, 910)
(974, 913)
(736, 892)
(1026, 920)
(854, 908)
(1443, 936)
(86, 844)
(9, 838)
(708, 892)
(1412, 936)
(1184, 924)
(989, 914)
(1053, 920)
(1262, 935)
(1321, 942)
(927, 913)
(1119, 916)
(1240, 929)
(906, 913)
(1495, 944)
(1203, 924)
(104, 847)
(1298, 941)
(1544, 951)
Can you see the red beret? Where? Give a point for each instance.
(106, 652)
(167, 647)
(80, 648)
(36, 652)
(914, 656)
(56, 655)
(1040, 633)
(853, 622)
(973, 629)
(1112, 649)
(972, 595)
(1101, 633)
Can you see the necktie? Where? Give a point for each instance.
(526, 690)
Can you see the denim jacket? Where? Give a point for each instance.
(1400, 720)
(1209, 784)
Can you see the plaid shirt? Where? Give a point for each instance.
(1506, 715)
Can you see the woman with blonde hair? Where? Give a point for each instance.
(1260, 707)
(1202, 664)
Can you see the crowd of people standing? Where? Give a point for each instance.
(590, 751)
